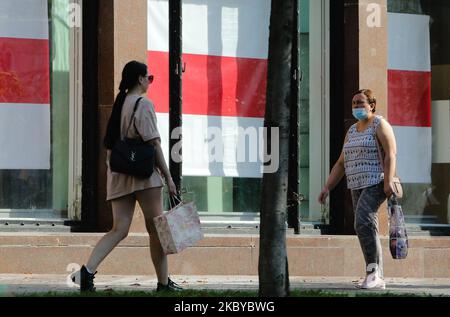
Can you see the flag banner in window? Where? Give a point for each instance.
(225, 47)
(24, 85)
(409, 94)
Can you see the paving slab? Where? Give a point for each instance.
(23, 284)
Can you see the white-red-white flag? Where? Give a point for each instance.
(225, 47)
(24, 85)
(409, 94)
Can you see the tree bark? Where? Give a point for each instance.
(273, 264)
(175, 89)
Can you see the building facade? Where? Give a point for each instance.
(60, 68)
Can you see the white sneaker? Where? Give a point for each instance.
(373, 281)
(358, 282)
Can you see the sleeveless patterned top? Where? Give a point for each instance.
(361, 160)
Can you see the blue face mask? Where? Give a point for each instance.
(360, 113)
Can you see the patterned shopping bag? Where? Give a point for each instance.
(398, 238)
(179, 228)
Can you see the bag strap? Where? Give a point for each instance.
(132, 118)
(174, 201)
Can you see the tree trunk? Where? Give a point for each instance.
(175, 89)
(273, 265)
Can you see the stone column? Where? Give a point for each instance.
(373, 42)
(122, 37)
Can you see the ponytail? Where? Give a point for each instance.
(113, 129)
(130, 78)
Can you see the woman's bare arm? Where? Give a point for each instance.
(336, 174)
(161, 164)
(385, 135)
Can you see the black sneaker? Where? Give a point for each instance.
(170, 287)
(86, 280)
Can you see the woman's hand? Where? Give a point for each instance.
(388, 189)
(172, 187)
(323, 195)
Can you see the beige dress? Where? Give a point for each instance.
(119, 184)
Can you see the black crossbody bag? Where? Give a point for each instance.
(133, 156)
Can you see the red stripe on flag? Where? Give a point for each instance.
(158, 92)
(409, 97)
(212, 85)
(24, 71)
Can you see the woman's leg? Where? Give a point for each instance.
(366, 203)
(122, 209)
(150, 201)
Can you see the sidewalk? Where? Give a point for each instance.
(11, 284)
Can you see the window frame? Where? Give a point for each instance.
(75, 119)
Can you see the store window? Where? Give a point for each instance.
(419, 105)
(225, 47)
(35, 122)
(314, 107)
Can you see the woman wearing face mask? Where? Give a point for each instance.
(369, 180)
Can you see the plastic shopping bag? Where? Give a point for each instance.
(398, 238)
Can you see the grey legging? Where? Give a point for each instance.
(366, 202)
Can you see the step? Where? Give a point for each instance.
(33, 225)
(421, 219)
(218, 254)
(427, 229)
(252, 227)
(62, 225)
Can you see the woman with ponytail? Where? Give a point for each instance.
(124, 190)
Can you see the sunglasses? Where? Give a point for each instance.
(150, 78)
